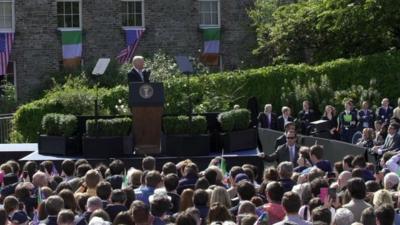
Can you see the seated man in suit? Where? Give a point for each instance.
(267, 119)
(286, 152)
(392, 141)
(138, 73)
(385, 112)
(305, 117)
(284, 118)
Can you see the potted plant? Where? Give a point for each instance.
(58, 135)
(236, 133)
(107, 137)
(182, 138)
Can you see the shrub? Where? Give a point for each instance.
(8, 100)
(237, 119)
(54, 124)
(180, 125)
(109, 127)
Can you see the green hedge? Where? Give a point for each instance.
(219, 92)
(109, 127)
(237, 119)
(55, 124)
(180, 125)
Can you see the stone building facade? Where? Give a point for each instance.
(170, 25)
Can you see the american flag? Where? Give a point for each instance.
(132, 40)
(6, 40)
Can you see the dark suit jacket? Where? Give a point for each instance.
(134, 76)
(264, 122)
(282, 154)
(392, 145)
(281, 140)
(281, 122)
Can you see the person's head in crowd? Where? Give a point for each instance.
(315, 173)
(160, 203)
(98, 221)
(385, 102)
(201, 183)
(338, 167)
(245, 190)
(186, 218)
(66, 217)
(241, 177)
(377, 125)
(93, 203)
(118, 197)
(103, 190)
(271, 174)
(200, 198)
(356, 187)
(364, 105)
(169, 167)
(140, 212)
(15, 166)
(123, 218)
(10, 178)
(359, 162)
(30, 167)
(384, 215)
(285, 170)
(103, 169)
(19, 218)
(153, 179)
(391, 181)
(130, 196)
(92, 178)
(343, 216)
(6, 168)
(82, 169)
(235, 170)
(10, 204)
(385, 157)
(171, 181)
(321, 214)
(253, 168)
(368, 216)
(134, 178)
(304, 156)
(274, 192)
(291, 203)
(393, 128)
(247, 219)
(69, 200)
(314, 203)
(81, 200)
(291, 137)
(357, 172)
(329, 110)
(371, 167)
(368, 134)
(347, 162)
(68, 168)
(257, 201)
(317, 184)
(348, 105)
(372, 186)
(343, 179)
(117, 167)
(382, 197)
(289, 126)
(247, 207)
(40, 179)
(268, 108)
(250, 173)
(148, 163)
(191, 170)
(23, 190)
(186, 199)
(218, 212)
(220, 195)
(220, 176)
(63, 185)
(80, 162)
(46, 166)
(316, 153)
(211, 176)
(100, 213)
(285, 111)
(53, 205)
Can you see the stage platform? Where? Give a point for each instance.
(27, 152)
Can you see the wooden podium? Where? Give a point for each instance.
(146, 101)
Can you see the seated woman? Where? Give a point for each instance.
(367, 139)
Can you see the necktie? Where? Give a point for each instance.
(269, 120)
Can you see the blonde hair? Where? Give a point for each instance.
(382, 197)
(220, 195)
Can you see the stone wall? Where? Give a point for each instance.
(171, 26)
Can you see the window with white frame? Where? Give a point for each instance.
(6, 15)
(132, 12)
(210, 13)
(69, 14)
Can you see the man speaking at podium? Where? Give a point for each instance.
(138, 73)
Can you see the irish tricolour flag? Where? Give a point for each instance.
(210, 54)
(72, 48)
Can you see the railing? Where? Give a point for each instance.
(5, 127)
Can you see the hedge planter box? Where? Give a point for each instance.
(59, 145)
(104, 147)
(239, 140)
(186, 145)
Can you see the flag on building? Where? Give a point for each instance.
(132, 41)
(210, 54)
(6, 41)
(71, 48)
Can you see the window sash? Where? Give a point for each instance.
(6, 15)
(132, 13)
(209, 13)
(69, 14)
